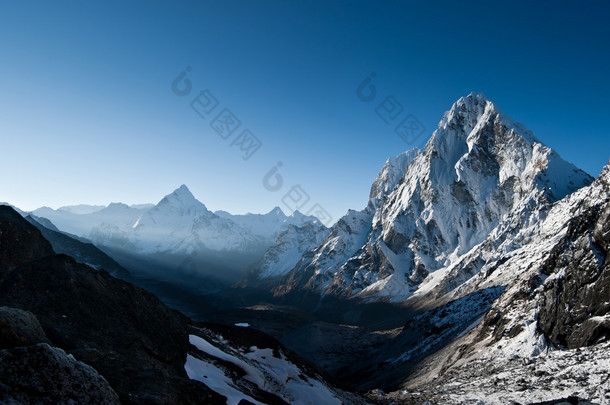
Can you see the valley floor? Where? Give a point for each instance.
(332, 347)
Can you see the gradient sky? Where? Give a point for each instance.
(87, 113)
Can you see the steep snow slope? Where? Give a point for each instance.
(290, 245)
(260, 375)
(348, 235)
(478, 168)
(390, 175)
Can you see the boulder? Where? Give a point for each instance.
(19, 328)
(41, 374)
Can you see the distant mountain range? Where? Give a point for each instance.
(179, 237)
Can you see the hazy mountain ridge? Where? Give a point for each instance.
(179, 229)
(83, 252)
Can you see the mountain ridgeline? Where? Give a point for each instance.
(179, 239)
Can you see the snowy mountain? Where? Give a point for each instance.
(120, 216)
(501, 248)
(430, 208)
(268, 225)
(290, 245)
(179, 236)
(545, 336)
(180, 223)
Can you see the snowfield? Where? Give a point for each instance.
(258, 370)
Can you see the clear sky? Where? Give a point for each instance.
(88, 114)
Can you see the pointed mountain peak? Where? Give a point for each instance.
(474, 119)
(183, 198)
(183, 192)
(470, 108)
(474, 97)
(277, 211)
(474, 102)
(298, 214)
(479, 146)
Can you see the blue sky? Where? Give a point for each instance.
(88, 115)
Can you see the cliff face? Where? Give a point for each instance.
(575, 302)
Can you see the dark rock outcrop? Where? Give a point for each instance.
(42, 374)
(132, 339)
(19, 328)
(575, 306)
(19, 243)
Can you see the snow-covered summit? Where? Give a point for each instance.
(277, 211)
(477, 167)
(551, 318)
(181, 199)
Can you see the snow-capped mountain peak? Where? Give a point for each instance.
(181, 199)
(183, 192)
(277, 211)
(181, 231)
(429, 208)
